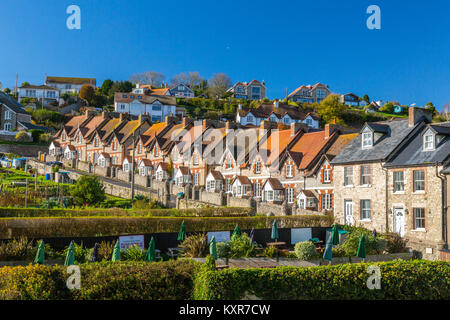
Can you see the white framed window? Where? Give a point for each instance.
(258, 167)
(7, 115)
(326, 201)
(96, 142)
(229, 162)
(301, 203)
(174, 155)
(327, 175)
(348, 176)
(365, 209)
(310, 202)
(289, 172)
(126, 167)
(249, 118)
(367, 140)
(419, 218)
(195, 178)
(229, 186)
(290, 195)
(428, 142)
(365, 175)
(399, 181)
(269, 195)
(7, 126)
(419, 180)
(195, 162)
(257, 186)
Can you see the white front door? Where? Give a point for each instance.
(399, 221)
(348, 212)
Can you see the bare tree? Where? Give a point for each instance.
(219, 84)
(153, 78)
(190, 79)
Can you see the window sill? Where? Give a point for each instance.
(365, 186)
(418, 192)
(365, 220)
(419, 230)
(348, 186)
(399, 192)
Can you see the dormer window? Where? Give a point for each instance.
(367, 140)
(428, 142)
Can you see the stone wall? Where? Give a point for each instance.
(123, 176)
(216, 198)
(22, 150)
(84, 166)
(239, 202)
(272, 209)
(102, 171)
(143, 181)
(176, 189)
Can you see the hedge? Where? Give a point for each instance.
(108, 226)
(400, 280)
(194, 212)
(171, 280)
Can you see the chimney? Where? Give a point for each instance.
(204, 123)
(227, 126)
(103, 114)
(140, 119)
(86, 113)
(276, 103)
(183, 122)
(240, 106)
(295, 127)
(329, 129)
(121, 117)
(416, 115)
(138, 85)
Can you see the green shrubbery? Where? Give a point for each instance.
(399, 280)
(305, 250)
(195, 246)
(109, 280)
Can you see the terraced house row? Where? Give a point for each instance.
(390, 176)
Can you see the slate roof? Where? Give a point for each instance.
(412, 153)
(70, 80)
(12, 103)
(145, 98)
(216, 175)
(30, 126)
(265, 110)
(398, 130)
(275, 184)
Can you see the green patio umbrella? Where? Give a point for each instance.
(361, 253)
(151, 255)
(335, 234)
(116, 252)
(274, 230)
(328, 253)
(213, 248)
(40, 254)
(70, 257)
(237, 231)
(182, 232)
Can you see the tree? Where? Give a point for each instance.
(430, 106)
(218, 85)
(331, 109)
(7, 90)
(87, 93)
(106, 86)
(22, 136)
(153, 78)
(88, 190)
(191, 79)
(388, 108)
(25, 84)
(119, 86)
(366, 99)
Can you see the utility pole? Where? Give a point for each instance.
(15, 89)
(132, 166)
(26, 192)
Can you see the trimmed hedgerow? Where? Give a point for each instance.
(399, 280)
(105, 226)
(110, 280)
(194, 212)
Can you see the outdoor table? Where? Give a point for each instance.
(276, 244)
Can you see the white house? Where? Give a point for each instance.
(241, 186)
(127, 164)
(145, 167)
(69, 84)
(306, 200)
(214, 181)
(104, 160)
(54, 149)
(157, 107)
(70, 152)
(182, 176)
(273, 191)
(44, 94)
(161, 171)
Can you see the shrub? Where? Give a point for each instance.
(35, 134)
(45, 138)
(22, 136)
(81, 253)
(270, 252)
(88, 190)
(241, 246)
(305, 250)
(133, 253)
(400, 280)
(16, 249)
(195, 246)
(394, 242)
(223, 249)
(374, 245)
(105, 250)
(109, 280)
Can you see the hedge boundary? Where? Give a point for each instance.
(6, 212)
(186, 279)
(400, 280)
(111, 226)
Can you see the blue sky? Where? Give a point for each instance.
(285, 43)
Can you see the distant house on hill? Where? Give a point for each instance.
(310, 94)
(254, 90)
(69, 84)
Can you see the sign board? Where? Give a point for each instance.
(128, 241)
(300, 234)
(221, 236)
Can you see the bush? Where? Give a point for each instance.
(35, 134)
(81, 253)
(105, 250)
(400, 280)
(241, 246)
(133, 253)
(22, 136)
(45, 138)
(88, 190)
(305, 250)
(16, 249)
(223, 250)
(100, 281)
(270, 252)
(79, 226)
(195, 246)
(394, 243)
(374, 245)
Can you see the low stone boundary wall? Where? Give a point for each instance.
(84, 166)
(123, 176)
(239, 202)
(143, 181)
(215, 198)
(101, 171)
(176, 189)
(268, 208)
